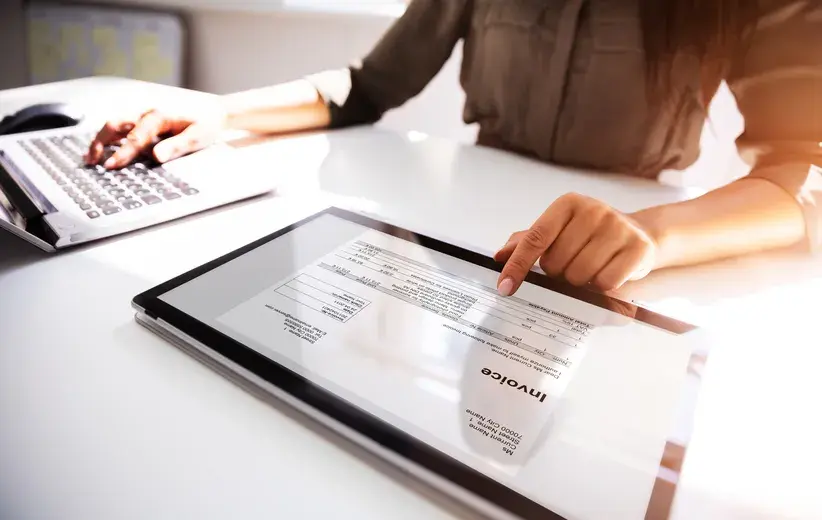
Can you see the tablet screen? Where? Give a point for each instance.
(573, 404)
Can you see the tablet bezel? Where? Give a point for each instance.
(383, 433)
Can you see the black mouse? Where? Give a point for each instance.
(40, 117)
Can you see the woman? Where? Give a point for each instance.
(611, 85)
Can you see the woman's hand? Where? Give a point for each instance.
(165, 136)
(582, 239)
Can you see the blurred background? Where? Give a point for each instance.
(223, 46)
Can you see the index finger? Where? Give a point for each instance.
(533, 245)
(137, 141)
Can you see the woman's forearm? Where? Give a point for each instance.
(747, 216)
(285, 108)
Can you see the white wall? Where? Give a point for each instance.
(235, 51)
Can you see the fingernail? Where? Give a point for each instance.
(506, 287)
(109, 163)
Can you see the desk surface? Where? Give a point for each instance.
(101, 419)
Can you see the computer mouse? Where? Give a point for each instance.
(44, 116)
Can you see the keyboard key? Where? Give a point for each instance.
(78, 142)
(95, 190)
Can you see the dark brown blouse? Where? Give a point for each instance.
(564, 81)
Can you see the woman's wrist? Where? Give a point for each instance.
(652, 222)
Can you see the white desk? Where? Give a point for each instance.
(101, 419)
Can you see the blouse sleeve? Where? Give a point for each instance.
(405, 59)
(777, 81)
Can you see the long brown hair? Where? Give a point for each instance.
(709, 30)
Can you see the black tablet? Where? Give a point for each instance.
(558, 402)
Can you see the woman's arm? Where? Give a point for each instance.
(724, 223)
(401, 64)
(285, 108)
(776, 78)
(587, 241)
